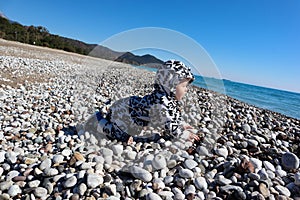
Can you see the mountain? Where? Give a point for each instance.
(40, 36)
(138, 60)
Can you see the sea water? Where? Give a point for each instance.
(284, 102)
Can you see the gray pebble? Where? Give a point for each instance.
(106, 152)
(82, 188)
(200, 183)
(290, 161)
(94, 180)
(58, 159)
(34, 184)
(222, 152)
(5, 185)
(141, 173)
(159, 162)
(70, 182)
(117, 149)
(269, 166)
(51, 172)
(14, 190)
(186, 173)
(283, 190)
(190, 164)
(45, 164)
(221, 180)
(153, 196)
(247, 128)
(40, 192)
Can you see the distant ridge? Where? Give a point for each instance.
(11, 30)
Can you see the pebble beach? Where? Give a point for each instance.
(47, 95)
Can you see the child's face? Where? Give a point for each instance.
(181, 89)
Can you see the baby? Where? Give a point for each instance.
(128, 117)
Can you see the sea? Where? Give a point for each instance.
(284, 102)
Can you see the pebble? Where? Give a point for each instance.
(283, 190)
(200, 183)
(45, 164)
(57, 159)
(222, 152)
(290, 161)
(153, 196)
(70, 182)
(117, 149)
(34, 184)
(94, 180)
(42, 157)
(190, 164)
(247, 128)
(40, 192)
(186, 173)
(14, 190)
(159, 162)
(141, 174)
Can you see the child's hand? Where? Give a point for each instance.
(194, 137)
(187, 126)
(130, 140)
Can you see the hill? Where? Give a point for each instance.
(39, 35)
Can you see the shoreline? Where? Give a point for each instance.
(245, 153)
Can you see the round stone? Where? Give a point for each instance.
(202, 151)
(221, 180)
(58, 159)
(45, 164)
(94, 180)
(5, 185)
(106, 152)
(34, 184)
(153, 196)
(141, 174)
(70, 182)
(190, 164)
(290, 161)
(40, 192)
(82, 188)
(190, 190)
(246, 128)
(66, 152)
(171, 164)
(51, 172)
(283, 190)
(117, 149)
(159, 162)
(269, 166)
(200, 183)
(186, 173)
(222, 152)
(263, 189)
(131, 155)
(14, 190)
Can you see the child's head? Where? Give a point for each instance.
(172, 75)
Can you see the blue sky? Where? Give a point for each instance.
(250, 41)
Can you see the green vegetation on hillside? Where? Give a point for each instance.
(40, 36)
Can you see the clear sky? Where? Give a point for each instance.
(250, 41)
